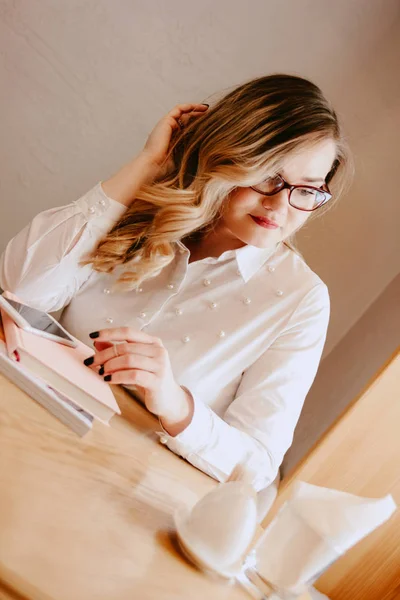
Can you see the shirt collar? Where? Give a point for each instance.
(249, 258)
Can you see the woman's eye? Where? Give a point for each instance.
(306, 192)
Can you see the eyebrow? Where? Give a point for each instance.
(309, 179)
(313, 179)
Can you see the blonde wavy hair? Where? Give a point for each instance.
(242, 139)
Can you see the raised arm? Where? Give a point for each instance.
(40, 264)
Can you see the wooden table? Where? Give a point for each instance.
(91, 518)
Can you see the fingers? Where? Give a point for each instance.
(124, 334)
(126, 348)
(182, 113)
(99, 346)
(131, 361)
(142, 379)
(182, 109)
(137, 348)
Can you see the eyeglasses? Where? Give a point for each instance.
(303, 197)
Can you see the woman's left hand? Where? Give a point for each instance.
(144, 362)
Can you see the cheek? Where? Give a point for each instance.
(295, 221)
(240, 201)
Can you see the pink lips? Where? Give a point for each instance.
(266, 223)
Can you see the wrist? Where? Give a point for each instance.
(150, 163)
(180, 414)
(124, 185)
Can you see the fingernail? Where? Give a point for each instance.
(205, 104)
(88, 361)
(94, 334)
(107, 378)
(101, 370)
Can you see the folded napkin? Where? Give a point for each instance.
(311, 530)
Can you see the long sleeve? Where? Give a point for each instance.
(36, 264)
(259, 424)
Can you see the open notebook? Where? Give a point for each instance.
(57, 404)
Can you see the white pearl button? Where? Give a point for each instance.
(206, 282)
(247, 300)
(91, 210)
(109, 319)
(186, 339)
(178, 311)
(170, 286)
(102, 202)
(139, 289)
(271, 269)
(279, 293)
(106, 291)
(213, 305)
(163, 439)
(142, 315)
(221, 334)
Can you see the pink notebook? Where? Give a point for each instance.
(61, 367)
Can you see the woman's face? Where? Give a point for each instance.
(308, 166)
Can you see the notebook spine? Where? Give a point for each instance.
(78, 421)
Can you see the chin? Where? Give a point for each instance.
(265, 240)
(260, 238)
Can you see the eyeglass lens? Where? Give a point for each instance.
(301, 197)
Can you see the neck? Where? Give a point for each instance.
(211, 245)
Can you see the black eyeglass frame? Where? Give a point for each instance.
(290, 187)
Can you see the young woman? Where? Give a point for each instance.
(182, 269)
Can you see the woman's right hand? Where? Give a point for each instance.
(158, 142)
(151, 163)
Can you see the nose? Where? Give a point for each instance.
(277, 202)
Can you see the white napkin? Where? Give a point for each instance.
(311, 530)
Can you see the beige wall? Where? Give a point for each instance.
(84, 82)
(356, 248)
(348, 369)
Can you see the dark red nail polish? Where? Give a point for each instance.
(94, 334)
(89, 361)
(107, 378)
(101, 370)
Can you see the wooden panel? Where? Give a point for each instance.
(360, 454)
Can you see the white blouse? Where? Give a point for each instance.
(244, 331)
